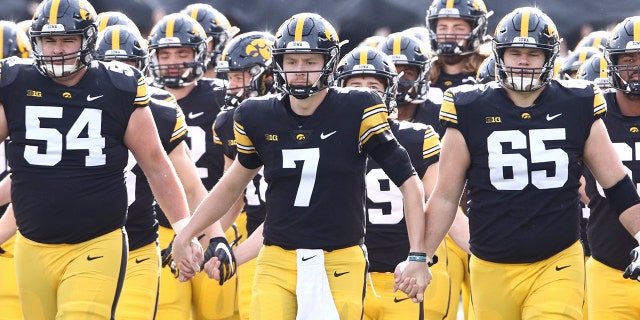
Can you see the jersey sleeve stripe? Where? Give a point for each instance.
(180, 128)
(431, 144)
(448, 110)
(142, 97)
(374, 121)
(243, 143)
(599, 104)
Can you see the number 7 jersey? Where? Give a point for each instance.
(315, 171)
(525, 166)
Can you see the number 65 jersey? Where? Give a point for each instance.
(66, 149)
(315, 171)
(525, 166)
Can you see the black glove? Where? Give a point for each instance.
(219, 248)
(633, 270)
(5, 254)
(433, 261)
(167, 258)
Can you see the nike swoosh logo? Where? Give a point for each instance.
(90, 98)
(549, 118)
(336, 274)
(324, 136)
(396, 300)
(89, 258)
(307, 258)
(192, 115)
(141, 260)
(560, 268)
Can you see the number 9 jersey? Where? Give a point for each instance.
(67, 143)
(525, 166)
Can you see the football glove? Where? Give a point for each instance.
(633, 270)
(5, 254)
(219, 248)
(167, 258)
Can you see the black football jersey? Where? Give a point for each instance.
(200, 108)
(428, 113)
(525, 166)
(315, 171)
(386, 237)
(609, 241)
(254, 194)
(141, 222)
(66, 151)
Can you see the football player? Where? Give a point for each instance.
(522, 160)
(71, 129)
(609, 296)
(313, 140)
(246, 62)
(178, 45)
(386, 237)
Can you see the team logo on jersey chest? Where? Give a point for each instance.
(66, 95)
(633, 129)
(301, 137)
(525, 116)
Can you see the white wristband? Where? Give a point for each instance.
(179, 225)
(637, 236)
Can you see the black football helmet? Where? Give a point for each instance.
(173, 31)
(569, 68)
(623, 40)
(369, 61)
(372, 41)
(114, 18)
(14, 41)
(404, 49)
(595, 69)
(250, 52)
(306, 33)
(122, 43)
(215, 25)
(63, 18)
(526, 27)
(473, 11)
(487, 71)
(596, 39)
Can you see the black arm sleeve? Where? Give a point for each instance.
(394, 160)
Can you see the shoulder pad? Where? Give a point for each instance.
(212, 82)
(161, 94)
(406, 125)
(585, 88)
(466, 93)
(123, 76)
(9, 69)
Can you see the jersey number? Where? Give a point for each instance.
(377, 195)
(309, 158)
(517, 164)
(89, 121)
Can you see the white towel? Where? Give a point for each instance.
(315, 301)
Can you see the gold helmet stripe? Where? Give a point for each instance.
(524, 24)
(636, 30)
(364, 53)
(115, 39)
(170, 25)
(53, 12)
(299, 28)
(103, 24)
(194, 14)
(396, 50)
(604, 68)
(2, 42)
(449, 4)
(583, 56)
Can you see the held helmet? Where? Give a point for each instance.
(595, 69)
(114, 18)
(63, 18)
(215, 25)
(368, 61)
(624, 40)
(596, 39)
(404, 49)
(122, 43)
(174, 31)
(472, 11)
(525, 27)
(14, 41)
(250, 52)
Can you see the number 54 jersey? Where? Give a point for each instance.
(66, 150)
(525, 166)
(315, 171)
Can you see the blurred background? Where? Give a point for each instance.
(356, 19)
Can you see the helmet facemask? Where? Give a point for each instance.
(50, 65)
(302, 92)
(193, 70)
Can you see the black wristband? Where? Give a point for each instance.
(417, 254)
(623, 195)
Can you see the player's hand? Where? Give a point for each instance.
(5, 254)
(167, 258)
(412, 278)
(226, 262)
(633, 270)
